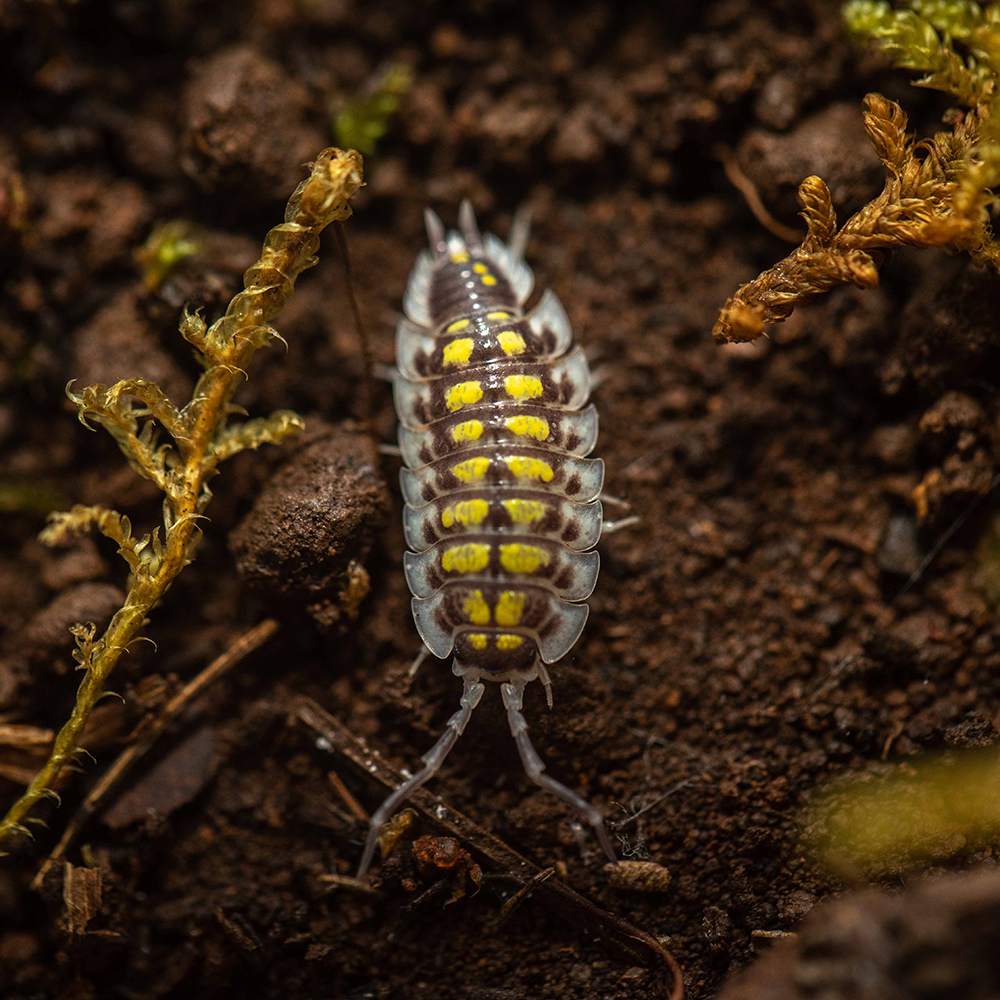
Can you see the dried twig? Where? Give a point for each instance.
(355, 807)
(458, 825)
(515, 901)
(151, 731)
(751, 196)
(510, 864)
(23, 747)
(936, 549)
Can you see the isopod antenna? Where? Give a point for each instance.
(433, 759)
(534, 767)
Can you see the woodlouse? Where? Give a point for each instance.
(502, 510)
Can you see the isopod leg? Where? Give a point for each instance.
(543, 676)
(513, 693)
(610, 527)
(433, 760)
(418, 662)
(598, 376)
(609, 500)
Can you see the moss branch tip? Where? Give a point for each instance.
(936, 193)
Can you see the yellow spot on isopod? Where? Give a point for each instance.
(518, 558)
(459, 257)
(477, 640)
(466, 512)
(469, 558)
(472, 470)
(511, 342)
(480, 268)
(524, 511)
(499, 314)
(488, 279)
(457, 352)
(509, 608)
(468, 430)
(524, 426)
(509, 641)
(525, 467)
(459, 324)
(523, 386)
(463, 394)
(477, 610)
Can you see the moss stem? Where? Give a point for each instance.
(227, 348)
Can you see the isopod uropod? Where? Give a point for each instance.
(501, 504)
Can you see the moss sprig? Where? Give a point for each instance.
(194, 440)
(921, 39)
(931, 808)
(167, 247)
(938, 192)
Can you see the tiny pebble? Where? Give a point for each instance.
(638, 876)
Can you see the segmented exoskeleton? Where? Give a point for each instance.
(502, 507)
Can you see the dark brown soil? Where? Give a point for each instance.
(936, 939)
(745, 642)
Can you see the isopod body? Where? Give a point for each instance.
(501, 503)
